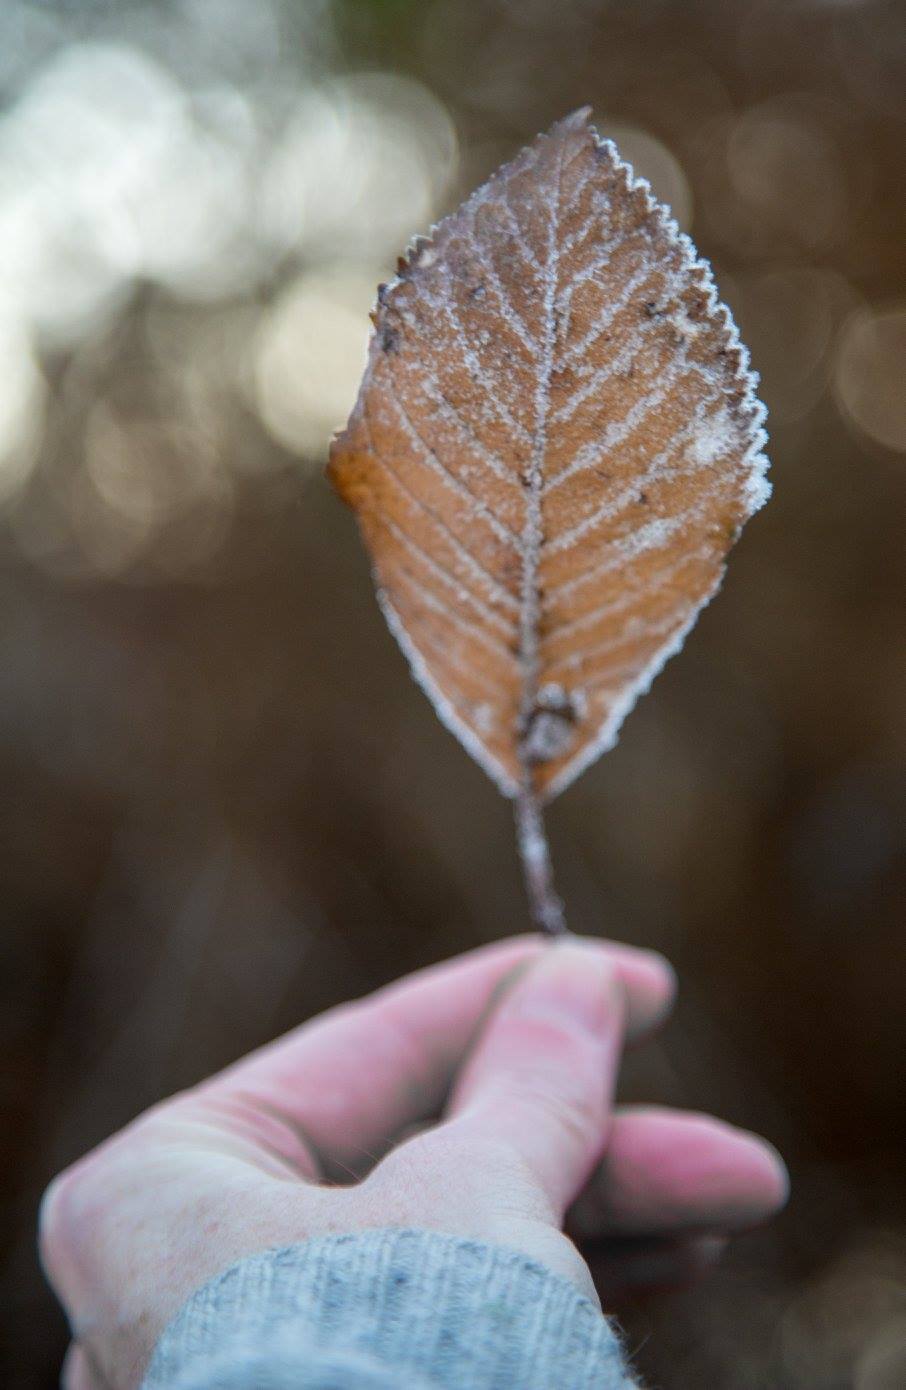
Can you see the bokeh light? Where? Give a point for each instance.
(23, 395)
(309, 356)
(786, 170)
(870, 374)
(284, 203)
(361, 162)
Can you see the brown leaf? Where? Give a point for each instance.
(555, 444)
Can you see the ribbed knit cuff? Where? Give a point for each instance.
(388, 1308)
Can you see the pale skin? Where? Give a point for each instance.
(474, 1098)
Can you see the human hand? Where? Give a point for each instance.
(515, 1047)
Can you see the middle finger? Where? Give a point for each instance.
(671, 1171)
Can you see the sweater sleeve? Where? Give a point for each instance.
(386, 1308)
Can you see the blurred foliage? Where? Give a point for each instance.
(226, 806)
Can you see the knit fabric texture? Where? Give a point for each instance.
(389, 1308)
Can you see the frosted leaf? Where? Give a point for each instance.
(555, 444)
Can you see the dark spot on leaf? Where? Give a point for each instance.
(643, 499)
(549, 730)
(390, 338)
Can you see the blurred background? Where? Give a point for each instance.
(226, 806)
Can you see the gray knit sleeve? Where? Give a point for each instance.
(384, 1309)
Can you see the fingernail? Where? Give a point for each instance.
(654, 987)
(570, 983)
(770, 1178)
(661, 966)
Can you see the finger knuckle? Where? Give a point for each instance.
(72, 1214)
(574, 1121)
(571, 1110)
(55, 1218)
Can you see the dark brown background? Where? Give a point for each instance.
(225, 804)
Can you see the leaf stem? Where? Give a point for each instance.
(531, 837)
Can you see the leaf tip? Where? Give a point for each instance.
(578, 119)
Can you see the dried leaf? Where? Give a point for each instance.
(555, 444)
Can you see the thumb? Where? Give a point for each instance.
(540, 1081)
